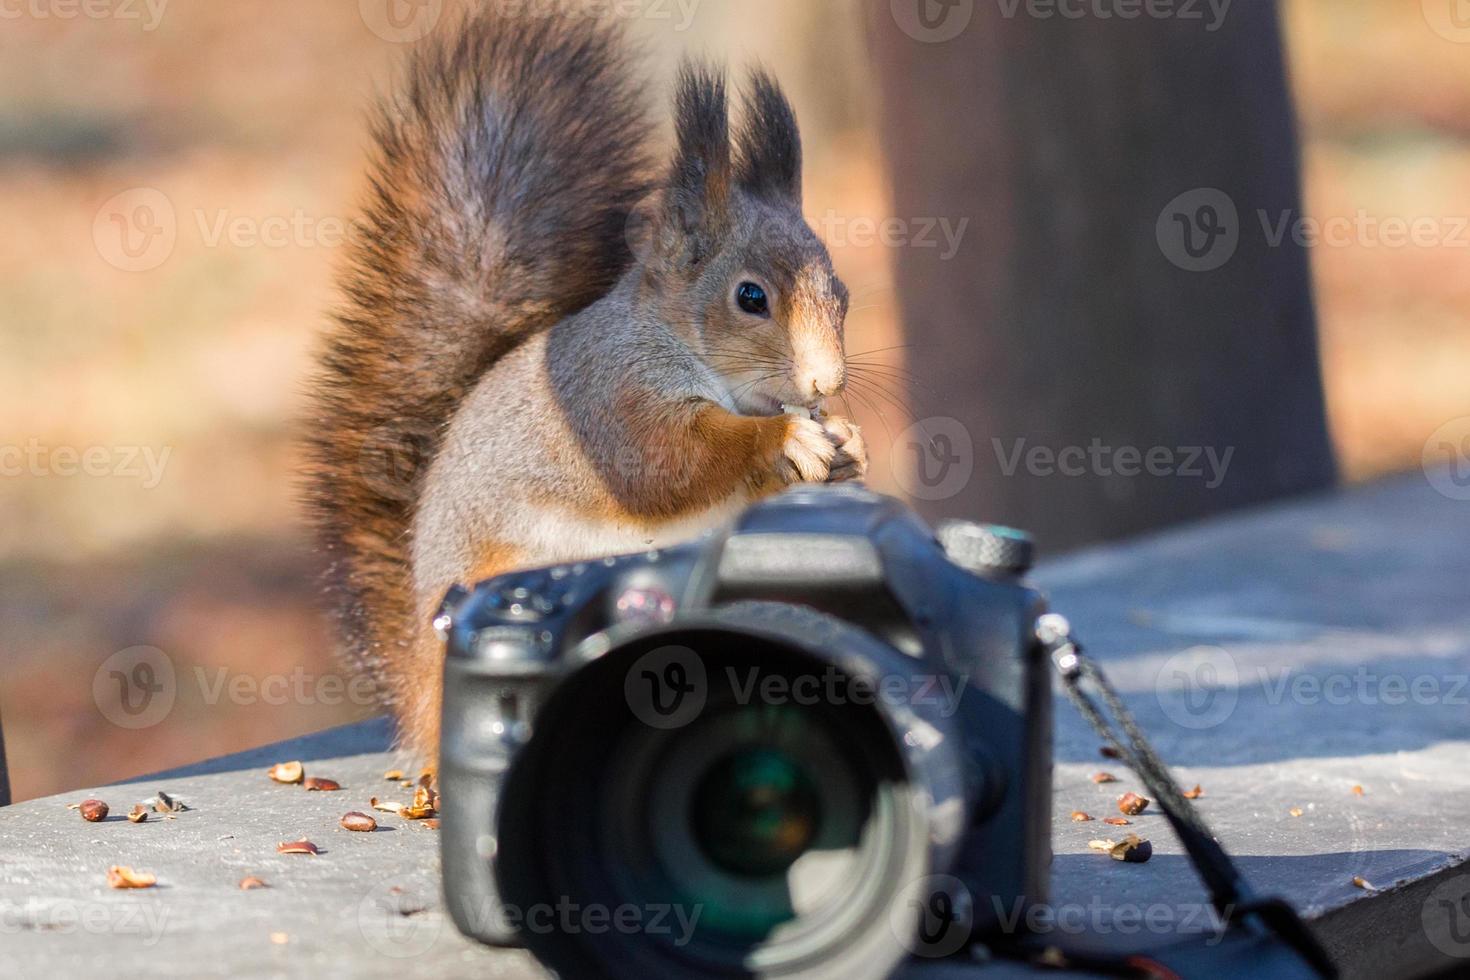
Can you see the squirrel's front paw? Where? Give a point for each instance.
(851, 461)
(807, 453)
(822, 450)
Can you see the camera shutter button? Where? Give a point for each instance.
(987, 549)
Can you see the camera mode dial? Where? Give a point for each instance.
(987, 549)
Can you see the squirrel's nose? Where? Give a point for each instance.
(829, 383)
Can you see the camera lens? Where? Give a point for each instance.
(755, 812)
(766, 834)
(769, 819)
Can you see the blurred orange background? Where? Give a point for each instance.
(173, 371)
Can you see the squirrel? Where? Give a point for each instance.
(547, 348)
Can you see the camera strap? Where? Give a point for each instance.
(1230, 893)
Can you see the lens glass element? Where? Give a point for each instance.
(755, 812)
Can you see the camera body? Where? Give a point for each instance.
(814, 743)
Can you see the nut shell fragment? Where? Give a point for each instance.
(287, 772)
(164, 803)
(1104, 777)
(121, 876)
(1194, 794)
(251, 883)
(297, 847)
(138, 814)
(318, 784)
(1079, 817)
(423, 805)
(1132, 849)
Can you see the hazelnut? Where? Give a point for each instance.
(360, 822)
(1132, 804)
(93, 811)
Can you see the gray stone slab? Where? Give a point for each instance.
(1264, 653)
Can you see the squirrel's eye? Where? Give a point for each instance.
(752, 299)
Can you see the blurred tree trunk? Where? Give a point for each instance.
(1104, 296)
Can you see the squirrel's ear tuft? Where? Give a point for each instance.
(699, 192)
(770, 141)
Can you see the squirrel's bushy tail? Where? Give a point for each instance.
(505, 172)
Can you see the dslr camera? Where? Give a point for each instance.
(815, 743)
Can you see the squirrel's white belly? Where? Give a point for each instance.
(553, 535)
